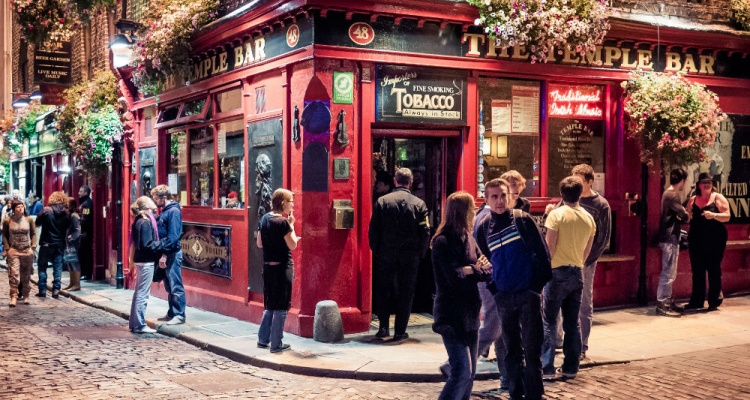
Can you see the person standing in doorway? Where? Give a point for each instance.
(570, 235)
(673, 214)
(399, 235)
(170, 232)
(19, 237)
(86, 212)
(277, 238)
(55, 221)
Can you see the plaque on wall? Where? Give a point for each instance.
(207, 248)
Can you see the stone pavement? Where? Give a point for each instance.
(618, 336)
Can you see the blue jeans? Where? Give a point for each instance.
(272, 328)
(670, 253)
(521, 320)
(586, 314)
(47, 254)
(491, 332)
(173, 285)
(563, 292)
(462, 357)
(142, 290)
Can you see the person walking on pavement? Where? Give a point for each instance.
(170, 232)
(707, 241)
(673, 214)
(277, 238)
(86, 211)
(520, 268)
(570, 235)
(147, 250)
(55, 221)
(399, 235)
(19, 243)
(596, 205)
(458, 265)
(73, 240)
(35, 206)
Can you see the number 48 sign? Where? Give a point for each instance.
(361, 33)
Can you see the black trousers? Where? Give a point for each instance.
(396, 281)
(86, 257)
(706, 260)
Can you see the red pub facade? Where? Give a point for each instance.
(318, 96)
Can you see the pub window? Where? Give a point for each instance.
(194, 107)
(231, 149)
(177, 171)
(169, 114)
(509, 115)
(228, 100)
(576, 132)
(201, 166)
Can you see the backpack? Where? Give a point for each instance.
(542, 263)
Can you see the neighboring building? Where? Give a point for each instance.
(319, 96)
(41, 166)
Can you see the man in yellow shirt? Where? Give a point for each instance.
(570, 234)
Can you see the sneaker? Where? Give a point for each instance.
(667, 312)
(145, 329)
(164, 318)
(677, 308)
(40, 294)
(565, 375)
(176, 321)
(26, 301)
(263, 345)
(281, 348)
(549, 376)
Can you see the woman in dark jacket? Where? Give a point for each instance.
(73, 241)
(458, 266)
(145, 252)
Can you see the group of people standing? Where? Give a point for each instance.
(706, 211)
(66, 229)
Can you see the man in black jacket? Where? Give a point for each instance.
(54, 220)
(86, 252)
(399, 235)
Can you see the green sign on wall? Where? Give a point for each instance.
(343, 87)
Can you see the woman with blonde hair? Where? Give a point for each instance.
(458, 265)
(277, 239)
(146, 251)
(55, 221)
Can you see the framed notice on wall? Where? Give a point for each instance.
(207, 248)
(525, 111)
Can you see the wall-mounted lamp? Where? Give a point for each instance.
(35, 95)
(124, 42)
(21, 102)
(502, 146)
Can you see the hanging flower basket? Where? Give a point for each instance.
(544, 25)
(44, 22)
(90, 123)
(165, 48)
(671, 117)
(741, 14)
(25, 128)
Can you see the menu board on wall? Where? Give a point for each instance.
(525, 112)
(728, 162)
(573, 142)
(501, 116)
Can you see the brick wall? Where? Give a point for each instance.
(707, 11)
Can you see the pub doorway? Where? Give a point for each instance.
(433, 160)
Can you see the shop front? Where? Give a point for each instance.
(320, 100)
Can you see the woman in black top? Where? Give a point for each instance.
(277, 239)
(145, 253)
(73, 240)
(458, 265)
(707, 241)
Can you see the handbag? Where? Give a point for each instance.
(683, 240)
(70, 255)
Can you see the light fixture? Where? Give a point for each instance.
(502, 146)
(21, 102)
(123, 43)
(36, 95)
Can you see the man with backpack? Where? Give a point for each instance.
(520, 268)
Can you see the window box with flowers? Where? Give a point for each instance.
(671, 117)
(545, 25)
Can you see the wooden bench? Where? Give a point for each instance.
(608, 258)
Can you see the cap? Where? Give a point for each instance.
(232, 195)
(705, 177)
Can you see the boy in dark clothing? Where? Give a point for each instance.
(54, 220)
(673, 214)
(519, 282)
(170, 232)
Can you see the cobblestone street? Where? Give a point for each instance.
(65, 350)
